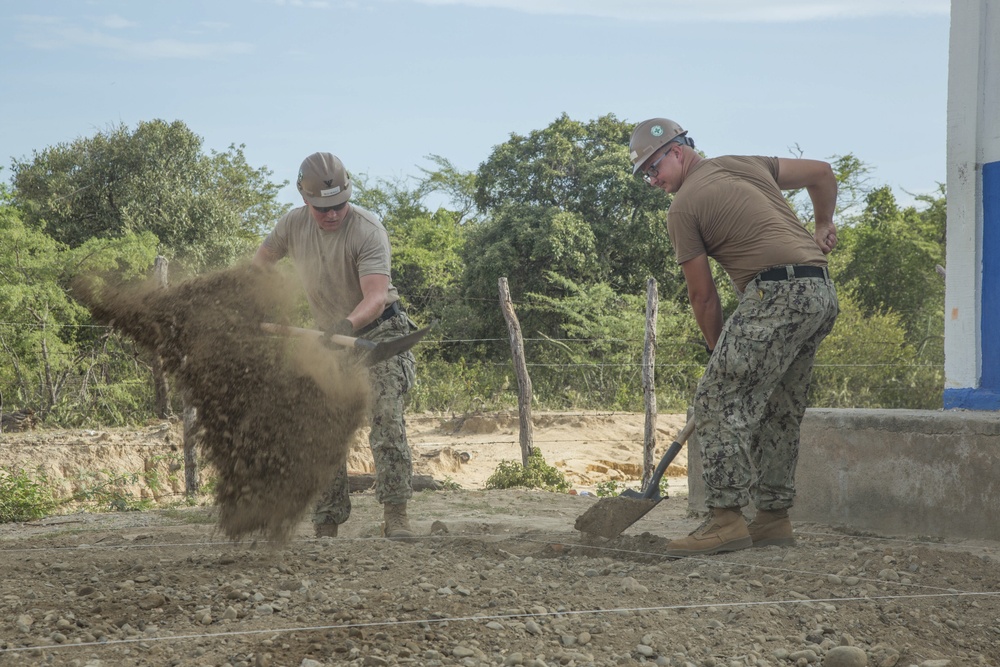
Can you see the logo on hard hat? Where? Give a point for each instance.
(656, 130)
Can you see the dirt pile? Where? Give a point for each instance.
(276, 416)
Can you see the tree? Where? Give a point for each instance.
(889, 259)
(583, 170)
(426, 247)
(207, 210)
(53, 360)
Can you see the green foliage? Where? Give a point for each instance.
(597, 362)
(461, 386)
(866, 362)
(609, 489)
(571, 179)
(524, 243)
(537, 475)
(24, 497)
(891, 256)
(53, 360)
(207, 210)
(109, 492)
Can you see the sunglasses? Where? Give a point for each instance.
(327, 209)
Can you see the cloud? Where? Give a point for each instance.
(734, 11)
(115, 22)
(309, 4)
(62, 35)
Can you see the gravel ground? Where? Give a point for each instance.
(496, 578)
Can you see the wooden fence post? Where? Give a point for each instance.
(161, 389)
(648, 385)
(521, 369)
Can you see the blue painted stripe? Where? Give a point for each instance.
(990, 332)
(971, 399)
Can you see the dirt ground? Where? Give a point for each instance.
(494, 578)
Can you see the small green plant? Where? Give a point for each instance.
(537, 475)
(450, 485)
(23, 497)
(609, 489)
(111, 494)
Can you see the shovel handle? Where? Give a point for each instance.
(653, 489)
(298, 332)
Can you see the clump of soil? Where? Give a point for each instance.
(276, 416)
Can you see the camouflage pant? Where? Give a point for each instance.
(751, 399)
(391, 379)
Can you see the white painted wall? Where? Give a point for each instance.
(973, 138)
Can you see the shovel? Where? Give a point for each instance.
(610, 516)
(375, 352)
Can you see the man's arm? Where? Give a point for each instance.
(704, 298)
(817, 178)
(374, 291)
(265, 258)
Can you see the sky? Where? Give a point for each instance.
(384, 84)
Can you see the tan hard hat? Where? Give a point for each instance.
(323, 181)
(649, 136)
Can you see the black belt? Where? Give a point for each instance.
(390, 311)
(803, 271)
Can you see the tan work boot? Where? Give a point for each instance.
(325, 529)
(396, 526)
(725, 530)
(771, 529)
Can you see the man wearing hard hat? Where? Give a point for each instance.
(749, 403)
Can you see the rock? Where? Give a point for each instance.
(513, 660)
(151, 601)
(936, 663)
(845, 656)
(808, 655)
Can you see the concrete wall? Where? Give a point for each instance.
(895, 472)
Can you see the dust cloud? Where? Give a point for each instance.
(276, 416)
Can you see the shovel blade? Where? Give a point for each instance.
(390, 348)
(610, 516)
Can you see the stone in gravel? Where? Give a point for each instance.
(513, 659)
(808, 655)
(309, 662)
(646, 651)
(845, 656)
(151, 601)
(24, 622)
(532, 628)
(935, 663)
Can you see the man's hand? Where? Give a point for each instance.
(826, 237)
(341, 328)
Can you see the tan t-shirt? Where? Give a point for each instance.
(732, 209)
(330, 264)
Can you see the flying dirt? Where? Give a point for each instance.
(276, 416)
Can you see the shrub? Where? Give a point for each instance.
(537, 475)
(23, 497)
